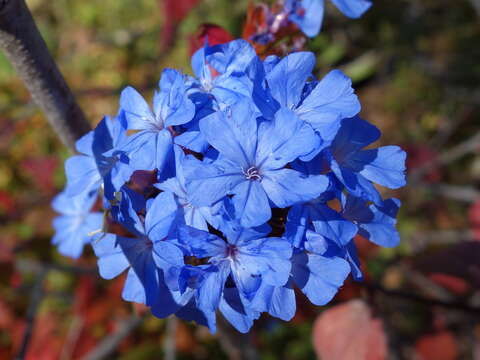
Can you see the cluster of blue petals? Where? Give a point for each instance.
(259, 181)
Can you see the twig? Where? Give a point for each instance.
(237, 346)
(470, 145)
(424, 300)
(26, 265)
(25, 48)
(108, 346)
(419, 240)
(170, 339)
(35, 300)
(456, 192)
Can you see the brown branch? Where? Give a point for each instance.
(25, 48)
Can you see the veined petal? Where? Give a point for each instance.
(251, 203)
(206, 184)
(384, 166)
(278, 301)
(284, 140)
(137, 111)
(286, 187)
(310, 20)
(160, 216)
(287, 79)
(330, 101)
(111, 258)
(319, 277)
(233, 132)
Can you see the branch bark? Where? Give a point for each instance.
(25, 48)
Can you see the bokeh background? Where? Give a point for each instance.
(416, 67)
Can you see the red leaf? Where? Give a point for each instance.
(216, 35)
(440, 346)
(349, 332)
(175, 11)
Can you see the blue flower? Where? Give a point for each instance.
(325, 103)
(251, 163)
(246, 255)
(376, 222)
(99, 161)
(357, 168)
(308, 14)
(151, 147)
(192, 215)
(75, 224)
(151, 259)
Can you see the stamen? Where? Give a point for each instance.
(252, 173)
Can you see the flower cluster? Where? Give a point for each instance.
(236, 187)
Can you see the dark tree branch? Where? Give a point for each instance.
(25, 48)
(35, 300)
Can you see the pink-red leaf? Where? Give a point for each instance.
(349, 332)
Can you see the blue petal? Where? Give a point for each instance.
(190, 312)
(160, 216)
(232, 57)
(137, 111)
(172, 104)
(111, 259)
(269, 257)
(352, 8)
(284, 140)
(384, 166)
(319, 277)
(149, 150)
(332, 225)
(82, 175)
(84, 144)
(354, 134)
(311, 19)
(233, 132)
(206, 184)
(236, 312)
(356, 184)
(381, 229)
(201, 243)
(286, 187)
(297, 222)
(278, 301)
(251, 204)
(210, 292)
(287, 79)
(329, 102)
(72, 232)
(142, 287)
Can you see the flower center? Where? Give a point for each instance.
(252, 173)
(231, 251)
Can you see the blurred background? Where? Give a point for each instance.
(416, 67)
